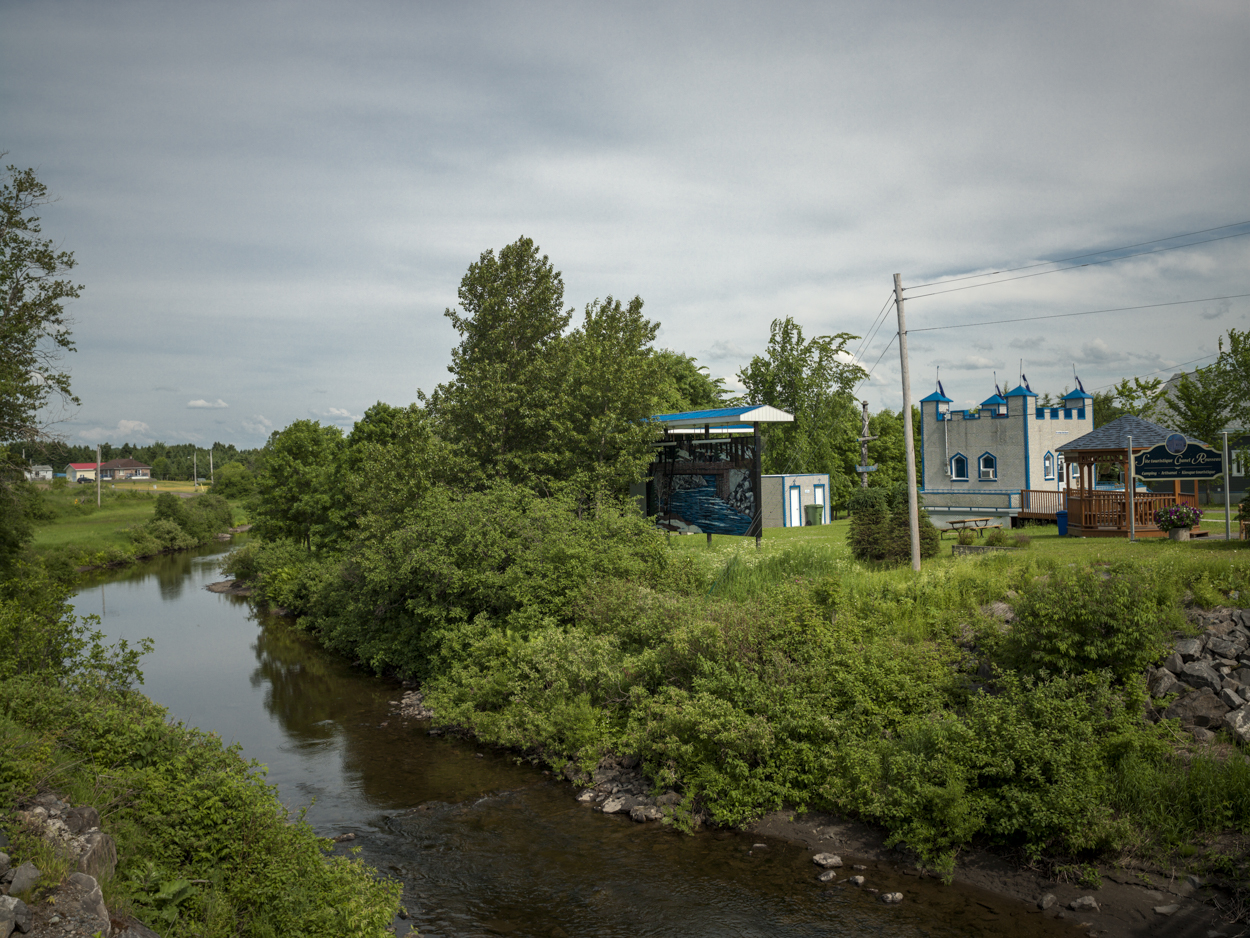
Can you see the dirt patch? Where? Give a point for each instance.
(230, 588)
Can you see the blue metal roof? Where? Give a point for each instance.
(724, 416)
(1078, 393)
(1021, 391)
(994, 401)
(935, 396)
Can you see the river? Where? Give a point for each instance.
(483, 845)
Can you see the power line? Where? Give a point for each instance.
(1088, 312)
(1043, 273)
(1077, 257)
(889, 346)
(872, 333)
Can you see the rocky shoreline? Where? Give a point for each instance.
(1204, 684)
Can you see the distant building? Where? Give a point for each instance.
(983, 458)
(80, 472)
(119, 469)
(39, 474)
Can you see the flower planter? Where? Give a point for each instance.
(1179, 534)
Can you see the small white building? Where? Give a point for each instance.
(785, 497)
(983, 458)
(39, 474)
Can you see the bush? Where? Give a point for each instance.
(966, 536)
(1178, 516)
(1080, 620)
(869, 517)
(898, 528)
(233, 480)
(996, 537)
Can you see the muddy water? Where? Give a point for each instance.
(483, 845)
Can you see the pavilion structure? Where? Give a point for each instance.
(1099, 512)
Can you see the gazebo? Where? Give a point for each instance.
(1095, 512)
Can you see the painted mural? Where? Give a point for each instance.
(702, 486)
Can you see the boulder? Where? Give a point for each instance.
(827, 876)
(14, 916)
(1230, 697)
(139, 930)
(621, 804)
(91, 899)
(645, 812)
(99, 859)
(1174, 663)
(1084, 904)
(827, 860)
(82, 818)
(1189, 648)
(24, 877)
(1223, 648)
(1199, 708)
(856, 880)
(5, 863)
(1201, 734)
(1163, 683)
(1199, 674)
(1167, 909)
(1046, 901)
(891, 897)
(1238, 723)
(1242, 675)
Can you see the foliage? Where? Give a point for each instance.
(1201, 405)
(690, 387)
(1178, 516)
(1234, 368)
(1079, 620)
(870, 513)
(1140, 397)
(898, 528)
(298, 497)
(965, 536)
(21, 509)
(233, 480)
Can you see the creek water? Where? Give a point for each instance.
(483, 845)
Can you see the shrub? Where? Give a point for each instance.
(997, 537)
(898, 528)
(233, 480)
(966, 536)
(869, 517)
(1080, 620)
(1178, 516)
(1021, 540)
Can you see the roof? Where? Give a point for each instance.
(1078, 393)
(1115, 435)
(124, 464)
(994, 401)
(936, 396)
(42, 466)
(82, 465)
(1021, 391)
(725, 417)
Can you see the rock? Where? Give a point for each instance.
(892, 897)
(856, 880)
(1189, 648)
(92, 901)
(759, 846)
(24, 877)
(1199, 674)
(645, 812)
(82, 818)
(827, 876)
(1163, 683)
(1222, 648)
(1084, 904)
(827, 860)
(14, 916)
(99, 859)
(1231, 698)
(1174, 663)
(587, 796)
(5, 863)
(1046, 901)
(1238, 723)
(668, 798)
(139, 930)
(620, 804)
(1199, 708)
(1201, 734)
(1167, 909)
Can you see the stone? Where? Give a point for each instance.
(1167, 909)
(668, 798)
(139, 930)
(891, 897)
(1199, 674)
(645, 812)
(827, 876)
(827, 860)
(856, 880)
(1084, 904)
(1174, 663)
(1047, 901)
(620, 804)
(24, 877)
(1242, 675)
(14, 916)
(1222, 648)
(1189, 648)
(92, 901)
(99, 859)
(1199, 708)
(1201, 734)
(1231, 698)
(1163, 683)
(82, 818)
(587, 795)
(1238, 723)
(5, 863)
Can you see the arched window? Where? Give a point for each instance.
(1048, 466)
(959, 467)
(987, 468)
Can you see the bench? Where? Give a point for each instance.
(980, 525)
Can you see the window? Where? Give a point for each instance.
(987, 467)
(1048, 466)
(1041, 413)
(959, 467)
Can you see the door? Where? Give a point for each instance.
(818, 496)
(796, 507)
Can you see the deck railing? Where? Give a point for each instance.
(1106, 511)
(1042, 503)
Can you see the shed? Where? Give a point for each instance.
(786, 496)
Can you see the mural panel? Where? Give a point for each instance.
(702, 486)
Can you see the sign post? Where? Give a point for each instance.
(1228, 497)
(1130, 485)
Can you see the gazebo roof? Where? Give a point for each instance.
(725, 418)
(1115, 435)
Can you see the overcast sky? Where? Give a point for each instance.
(272, 203)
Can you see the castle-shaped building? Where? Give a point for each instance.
(984, 457)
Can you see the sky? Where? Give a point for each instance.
(272, 204)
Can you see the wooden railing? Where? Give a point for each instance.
(1107, 510)
(1041, 503)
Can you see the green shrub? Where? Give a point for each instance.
(233, 480)
(1081, 619)
(898, 528)
(966, 536)
(996, 537)
(869, 523)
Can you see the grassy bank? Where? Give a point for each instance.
(205, 847)
(794, 676)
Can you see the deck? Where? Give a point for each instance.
(1101, 514)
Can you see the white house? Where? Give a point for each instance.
(983, 458)
(39, 474)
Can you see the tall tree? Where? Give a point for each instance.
(502, 400)
(812, 379)
(300, 497)
(691, 387)
(1200, 407)
(1234, 366)
(1141, 398)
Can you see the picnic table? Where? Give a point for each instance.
(977, 524)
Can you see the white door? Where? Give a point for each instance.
(818, 494)
(796, 507)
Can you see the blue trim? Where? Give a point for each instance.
(1041, 413)
(935, 396)
(1081, 394)
(951, 466)
(921, 445)
(979, 461)
(1067, 413)
(1080, 413)
(1021, 391)
(824, 500)
(1026, 449)
(1048, 476)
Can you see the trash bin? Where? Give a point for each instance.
(1061, 518)
(813, 514)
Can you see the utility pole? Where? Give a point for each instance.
(1228, 497)
(1130, 492)
(195, 468)
(211, 480)
(909, 445)
(97, 475)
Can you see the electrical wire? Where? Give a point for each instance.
(1088, 312)
(1077, 257)
(877, 362)
(872, 333)
(1043, 273)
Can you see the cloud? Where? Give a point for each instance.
(259, 423)
(971, 363)
(207, 405)
(1216, 313)
(337, 415)
(129, 431)
(1098, 351)
(726, 351)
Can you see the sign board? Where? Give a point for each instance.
(1178, 459)
(865, 468)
